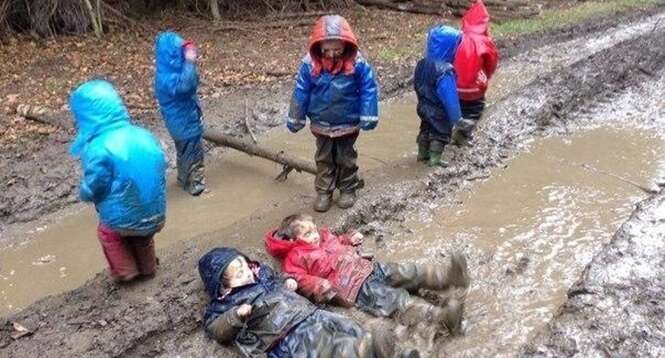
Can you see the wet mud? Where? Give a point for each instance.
(530, 229)
(161, 317)
(616, 308)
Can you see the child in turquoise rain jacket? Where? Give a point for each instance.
(123, 175)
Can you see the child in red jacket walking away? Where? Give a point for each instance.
(329, 268)
(475, 62)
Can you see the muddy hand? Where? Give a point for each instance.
(244, 311)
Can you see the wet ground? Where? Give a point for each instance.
(518, 248)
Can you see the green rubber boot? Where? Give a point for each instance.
(435, 159)
(423, 153)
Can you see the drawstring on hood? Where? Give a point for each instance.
(96, 107)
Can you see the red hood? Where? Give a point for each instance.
(279, 248)
(476, 19)
(332, 27)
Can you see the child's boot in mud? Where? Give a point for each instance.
(412, 276)
(383, 343)
(323, 202)
(416, 310)
(346, 199)
(423, 152)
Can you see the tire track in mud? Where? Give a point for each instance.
(162, 316)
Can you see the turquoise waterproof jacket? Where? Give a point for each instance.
(123, 164)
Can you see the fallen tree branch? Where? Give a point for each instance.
(41, 115)
(247, 127)
(255, 150)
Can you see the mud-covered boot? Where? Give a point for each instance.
(454, 272)
(435, 159)
(412, 276)
(323, 202)
(383, 343)
(346, 199)
(423, 152)
(417, 310)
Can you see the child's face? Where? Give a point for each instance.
(307, 232)
(237, 273)
(332, 49)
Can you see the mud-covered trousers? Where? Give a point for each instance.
(189, 162)
(327, 335)
(336, 163)
(471, 113)
(127, 256)
(432, 139)
(379, 295)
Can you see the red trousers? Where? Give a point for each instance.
(127, 256)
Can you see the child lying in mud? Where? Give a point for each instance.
(329, 268)
(261, 315)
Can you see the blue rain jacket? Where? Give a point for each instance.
(123, 165)
(434, 80)
(334, 102)
(176, 82)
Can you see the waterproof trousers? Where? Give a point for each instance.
(326, 335)
(432, 139)
(189, 162)
(471, 113)
(127, 256)
(336, 164)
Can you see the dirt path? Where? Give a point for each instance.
(161, 317)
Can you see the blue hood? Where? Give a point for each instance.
(96, 107)
(168, 50)
(212, 266)
(442, 42)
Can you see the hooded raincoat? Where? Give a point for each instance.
(338, 99)
(176, 82)
(123, 165)
(434, 81)
(334, 265)
(282, 323)
(477, 56)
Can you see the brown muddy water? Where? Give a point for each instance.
(64, 253)
(530, 229)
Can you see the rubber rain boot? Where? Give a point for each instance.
(323, 202)
(423, 152)
(346, 199)
(416, 310)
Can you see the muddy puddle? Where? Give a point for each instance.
(65, 253)
(530, 229)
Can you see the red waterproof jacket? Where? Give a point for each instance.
(476, 57)
(334, 267)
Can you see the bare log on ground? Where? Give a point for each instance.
(41, 115)
(255, 150)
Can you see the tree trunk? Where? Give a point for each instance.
(96, 25)
(214, 9)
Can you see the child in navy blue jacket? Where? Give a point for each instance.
(438, 103)
(336, 90)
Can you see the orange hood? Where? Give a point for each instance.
(332, 27)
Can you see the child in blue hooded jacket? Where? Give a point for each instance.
(336, 90)
(123, 175)
(438, 102)
(176, 82)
